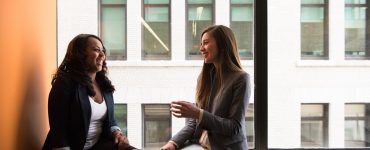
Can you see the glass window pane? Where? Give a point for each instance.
(156, 1)
(241, 1)
(156, 35)
(355, 31)
(313, 31)
(157, 125)
(120, 113)
(355, 1)
(242, 25)
(156, 14)
(312, 134)
(199, 1)
(113, 1)
(357, 125)
(113, 31)
(199, 17)
(249, 125)
(314, 125)
(355, 110)
(200, 13)
(242, 14)
(312, 110)
(312, 1)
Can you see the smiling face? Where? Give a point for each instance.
(208, 48)
(94, 55)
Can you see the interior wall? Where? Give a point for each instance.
(27, 62)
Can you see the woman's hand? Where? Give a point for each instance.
(168, 146)
(120, 140)
(184, 109)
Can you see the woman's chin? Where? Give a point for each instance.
(207, 61)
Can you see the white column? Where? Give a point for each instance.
(336, 124)
(134, 124)
(222, 12)
(178, 30)
(336, 30)
(133, 30)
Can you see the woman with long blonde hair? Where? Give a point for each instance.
(217, 121)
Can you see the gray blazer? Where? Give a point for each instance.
(224, 119)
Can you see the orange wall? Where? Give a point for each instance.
(27, 61)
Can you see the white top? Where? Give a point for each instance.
(98, 114)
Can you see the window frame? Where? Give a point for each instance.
(153, 119)
(187, 48)
(324, 119)
(156, 57)
(230, 16)
(367, 34)
(366, 120)
(124, 131)
(326, 22)
(100, 27)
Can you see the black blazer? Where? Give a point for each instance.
(69, 115)
(225, 117)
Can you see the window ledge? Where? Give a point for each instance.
(331, 63)
(164, 63)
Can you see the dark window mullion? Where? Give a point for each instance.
(367, 36)
(326, 30)
(261, 75)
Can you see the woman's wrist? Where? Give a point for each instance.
(174, 144)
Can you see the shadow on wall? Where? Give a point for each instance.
(32, 115)
(27, 61)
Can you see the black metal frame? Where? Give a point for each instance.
(260, 75)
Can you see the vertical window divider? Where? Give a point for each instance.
(260, 75)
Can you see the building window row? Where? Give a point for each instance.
(314, 125)
(156, 27)
(157, 124)
(315, 30)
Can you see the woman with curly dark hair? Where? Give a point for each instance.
(80, 104)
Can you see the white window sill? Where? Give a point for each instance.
(332, 63)
(164, 63)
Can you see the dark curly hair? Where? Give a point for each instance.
(75, 67)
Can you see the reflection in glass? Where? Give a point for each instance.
(314, 125)
(113, 28)
(199, 16)
(156, 27)
(355, 29)
(157, 125)
(314, 34)
(357, 125)
(120, 114)
(242, 25)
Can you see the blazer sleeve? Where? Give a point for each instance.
(112, 120)
(59, 102)
(231, 125)
(185, 133)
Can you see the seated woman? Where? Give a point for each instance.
(80, 104)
